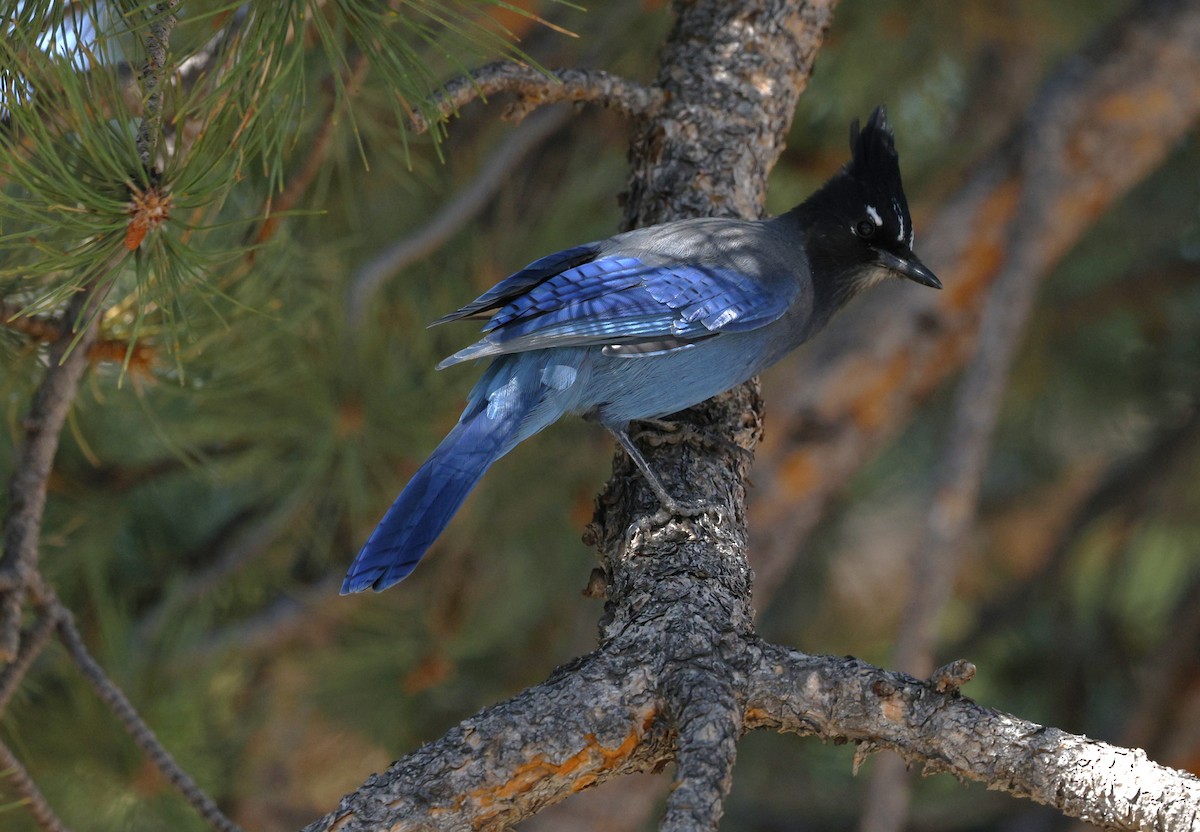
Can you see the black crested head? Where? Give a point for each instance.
(875, 166)
(856, 227)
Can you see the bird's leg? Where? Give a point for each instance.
(670, 507)
(667, 502)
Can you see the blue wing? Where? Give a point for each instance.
(524, 280)
(622, 300)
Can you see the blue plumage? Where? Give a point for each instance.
(647, 323)
(529, 277)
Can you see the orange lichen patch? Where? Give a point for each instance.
(580, 770)
(759, 716)
(871, 410)
(982, 259)
(894, 709)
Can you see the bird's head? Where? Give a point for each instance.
(857, 226)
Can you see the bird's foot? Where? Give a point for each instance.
(670, 509)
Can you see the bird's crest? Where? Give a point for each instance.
(875, 164)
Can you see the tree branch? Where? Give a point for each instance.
(16, 775)
(115, 699)
(709, 727)
(152, 76)
(32, 645)
(843, 699)
(27, 490)
(678, 594)
(68, 360)
(535, 87)
(588, 722)
(677, 644)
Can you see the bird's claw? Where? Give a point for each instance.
(669, 510)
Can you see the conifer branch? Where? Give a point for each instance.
(119, 703)
(12, 772)
(32, 644)
(535, 87)
(152, 77)
(27, 489)
(709, 726)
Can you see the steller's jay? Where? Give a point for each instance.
(650, 322)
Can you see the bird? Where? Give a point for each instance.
(647, 323)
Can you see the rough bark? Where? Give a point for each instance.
(662, 685)
(843, 699)
(679, 674)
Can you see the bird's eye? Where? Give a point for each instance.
(864, 228)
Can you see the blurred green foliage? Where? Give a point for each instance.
(205, 504)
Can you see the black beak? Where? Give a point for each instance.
(909, 266)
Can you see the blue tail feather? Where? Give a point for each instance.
(430, 499)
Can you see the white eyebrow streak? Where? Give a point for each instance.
(874, 215)
(900, 219)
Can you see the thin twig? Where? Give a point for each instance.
(27, 491)
(456, 213)
(32, 644)
(120, 705)
(151, 76)
(536, 87)
(15, 774)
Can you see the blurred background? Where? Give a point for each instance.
(209, 495)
